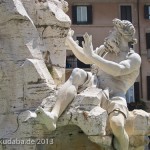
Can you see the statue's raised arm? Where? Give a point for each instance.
(117, 69)
(76, 49)
(124, 67)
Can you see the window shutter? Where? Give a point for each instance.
(123, 13)
(148, 40)
(136, 91)
(146, 12)
(129, 13)
(148, 87)
(89, 14)
(126, 13)
(74, 14)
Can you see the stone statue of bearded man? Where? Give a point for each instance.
(115, 69)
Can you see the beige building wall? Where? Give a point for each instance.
(103, 13)
(144, 28)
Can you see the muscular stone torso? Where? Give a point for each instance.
(119, 84)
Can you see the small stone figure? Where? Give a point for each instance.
(115, 69)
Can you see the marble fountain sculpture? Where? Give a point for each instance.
(89, 111)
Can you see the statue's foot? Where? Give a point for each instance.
(47, 118)
(27, 115)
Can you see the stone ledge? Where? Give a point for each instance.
(86, 113)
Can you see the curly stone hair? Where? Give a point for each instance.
(126, 29)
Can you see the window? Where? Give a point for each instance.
(82, 14)
(126, 13)
(148, 40)
(148, 87)
(71, 61)
(133, 94)
(79, 63)
(148, 45)
(130, 95)
(147, 11)
(137, 91)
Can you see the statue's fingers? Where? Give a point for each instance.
(84, 36)
(83, 44)
(87, 35)
(77, 42)
(90, 38)
(72, 32)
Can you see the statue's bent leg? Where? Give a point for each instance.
(117, 122)
(65, 95)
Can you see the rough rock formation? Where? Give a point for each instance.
(28, 30)
(86, 113)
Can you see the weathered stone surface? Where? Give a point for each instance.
(52, 31)
(26, 27)
(86, 113)
(91, 122)
(89, 98)
(104, 141)
(138, 123)
(69, 138)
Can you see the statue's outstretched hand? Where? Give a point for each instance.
(69, 36)
(70, 33)
(87, 45)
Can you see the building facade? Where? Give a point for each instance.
(95, 17)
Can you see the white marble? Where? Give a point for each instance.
(32, 39)
(116, 67)
(24, 78)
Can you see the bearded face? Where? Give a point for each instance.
(112, 42)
